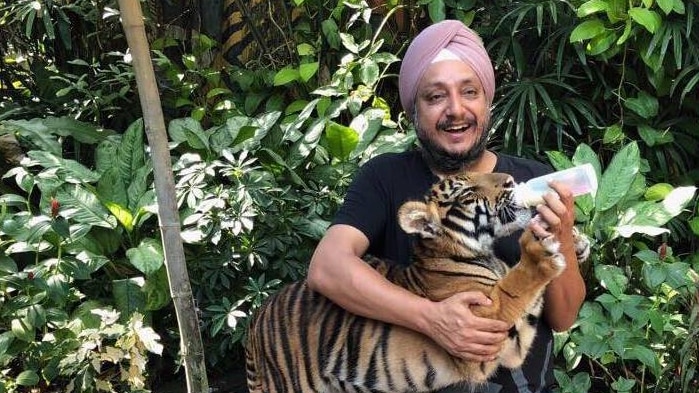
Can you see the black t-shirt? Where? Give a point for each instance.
(371, 205)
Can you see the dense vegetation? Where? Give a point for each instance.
(262, 153)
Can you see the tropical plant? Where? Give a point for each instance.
(631, 334)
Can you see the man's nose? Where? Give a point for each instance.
(455, 107)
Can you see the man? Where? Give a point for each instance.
(447, 83)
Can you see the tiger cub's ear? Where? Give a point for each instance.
(419, 218)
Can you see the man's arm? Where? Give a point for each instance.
(565, 294)
(338, 272)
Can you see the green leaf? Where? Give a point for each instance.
(122, 214)
(647, 18)
(342, 140)
(140, 185)
(694, 224)
(157, 290)
(646, 356)
(645, 105)
(131, 153)
(369, 72)
(21, 330)
(187, 130)
(612, 278)
(7, 265)
(436, 10)
(111, 187)
(106, 154)
(613, 134)
(587, 30)
(349, 43)
(285, 76)
(658, 192)
(304, 146)
(68, 170)
(666, 5)
(367, 125)
(618, 177)
(591, 7)
(128, 296)
(27, 378)
(148, 257)
(307, 70)
(83, 206)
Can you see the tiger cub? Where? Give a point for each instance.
(300, 341)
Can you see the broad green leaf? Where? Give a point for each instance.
(122, 214)
(369, 72)
(658, 192)
(111, 187)
(68, 170)
(587, 30)
(612, 278)
(591, 7)
(613, 134)
(7, 265)
(128, 296)
(559, 160)
(139, 187)
(131, 153)
(83, 206)
(285, 76)
(36, 132)
(6, 339)
(653, 275)
(436, 10)
(618, 177)
(21, 330)
(12, 200)
(601, 43)
(107, 153)
(666, 5)
(646, 356)
(27, 378)
(307, 70)
(187, 130)
(305, 49)
(36, 315)
(653, 137)
(694, 224)
(678, 199)
(367, 125)
(341, 140)
(157, 290)
(645, 105)
(646, 18)
(148, 257)
(304, 146)
(349, 43)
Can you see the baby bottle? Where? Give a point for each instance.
(580, 179)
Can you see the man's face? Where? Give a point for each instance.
(452, 112)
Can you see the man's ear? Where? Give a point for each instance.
(419, 218)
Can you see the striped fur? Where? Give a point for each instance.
(300, 341)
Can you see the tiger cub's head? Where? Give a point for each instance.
(466, 210)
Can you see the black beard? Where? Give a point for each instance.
(445, 162)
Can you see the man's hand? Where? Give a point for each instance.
(456, 329)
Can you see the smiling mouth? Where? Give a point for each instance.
(456, 129)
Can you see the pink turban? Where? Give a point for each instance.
(457, 39)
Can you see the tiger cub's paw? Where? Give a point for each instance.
(544, 253)
(582, 245)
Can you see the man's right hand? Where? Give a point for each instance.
(461, 333)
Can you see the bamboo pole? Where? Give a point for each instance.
(191, 345)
